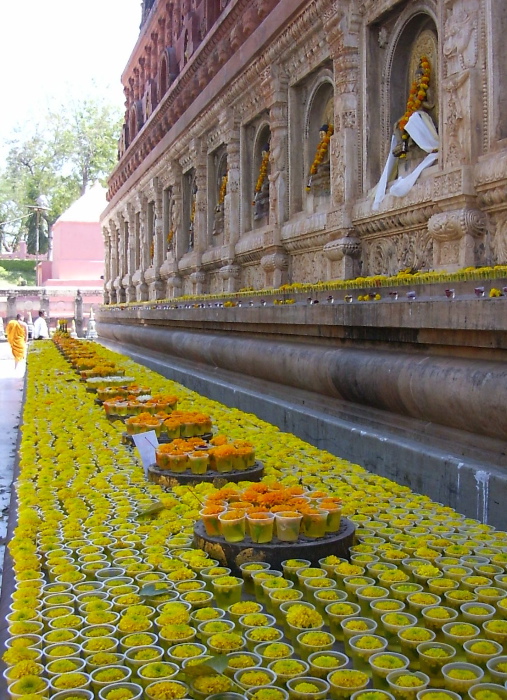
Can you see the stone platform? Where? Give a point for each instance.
(234, 554)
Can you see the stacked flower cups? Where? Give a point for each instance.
(109, 604)
(262, 514)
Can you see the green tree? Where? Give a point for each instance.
(72, 147)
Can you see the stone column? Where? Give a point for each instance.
(160, 245)
(175, 249)
(130, 252)
(78, 314)
(115, 277)
(275, 88)
(456, 230)
(343, 256)
(152, 275)
(122, 259)
(462, 104)
(144, 263)
(107, 266)
(454, 236)
(198, 280)
(342, 35)
(275, 261)
(200, 224)
(230, 274)
(232, 196)
(275, 266)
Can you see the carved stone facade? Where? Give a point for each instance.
(256, 133)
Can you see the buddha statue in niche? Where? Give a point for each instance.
(421, 100)
(261, 195)
(193, 207)
(414, 141)
(218, 219)
(319, 181)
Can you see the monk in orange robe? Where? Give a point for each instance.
(17, 335)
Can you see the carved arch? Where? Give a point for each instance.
(319, 112)
(415, 19)
(163, 75)
(135, 120)
(217, 195)
(260, 209)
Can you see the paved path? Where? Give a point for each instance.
(11, 395)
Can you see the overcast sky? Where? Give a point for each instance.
(52, 48)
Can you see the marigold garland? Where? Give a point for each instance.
(263, 171)
(417, 95)
(223, 189)
(322, 149)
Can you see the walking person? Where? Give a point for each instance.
(17, 335)
(40, 327)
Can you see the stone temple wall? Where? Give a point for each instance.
(257, 131)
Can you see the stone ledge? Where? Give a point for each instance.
(457, 392)
(458, 469)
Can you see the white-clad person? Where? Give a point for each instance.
(40, 327)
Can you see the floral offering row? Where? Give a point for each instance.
(111, 601)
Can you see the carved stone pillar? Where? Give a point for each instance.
(138, 278)
(201, 199)
(152, 275)
(230, 274)
(232, 197)
(174, 284)
(462, 83)
(275, 88)
(107, 266)
(175, 242)
(115, 277)
(122, 259)
(275, 265)
(342, 34)
(78, 313)
(130, 251)
(198, 281)
(343, 257)
(179, 241)
(454, 235)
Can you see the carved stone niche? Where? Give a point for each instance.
(343, 256)
(454, 236)
(275, 266)
(230, 274)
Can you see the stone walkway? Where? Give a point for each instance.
(11, 396)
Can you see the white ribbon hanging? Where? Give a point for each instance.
(421, 129)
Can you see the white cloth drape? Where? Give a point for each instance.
(421, 129)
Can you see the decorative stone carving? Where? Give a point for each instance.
(453, 233)
(343, 255)
(349, 50)
(460, 46)
(275, 267)
(390, 255)
(198, 281)
(343, 247)
(500, 240)
(230, 274)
